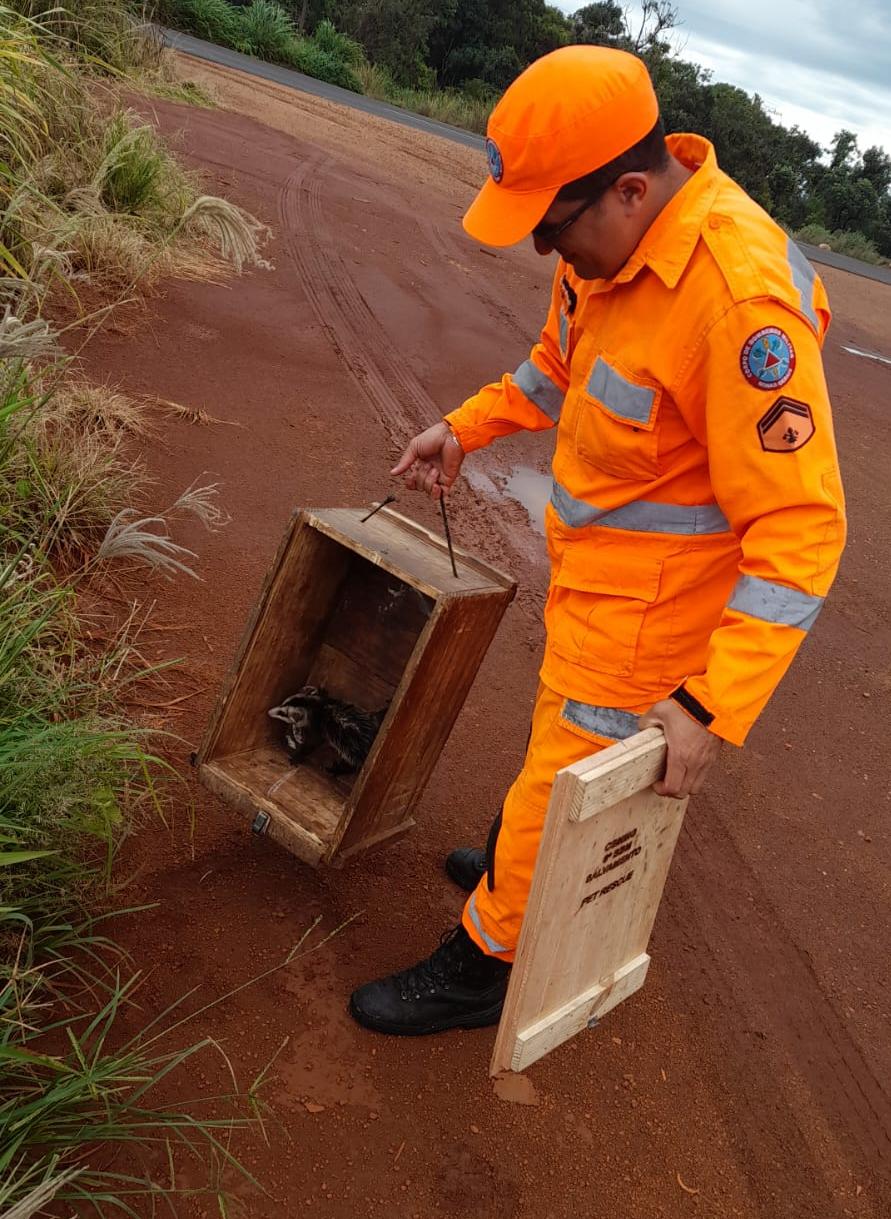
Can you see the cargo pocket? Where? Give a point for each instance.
(596, 606)
(617, 421)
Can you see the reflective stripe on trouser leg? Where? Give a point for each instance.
(492, 918)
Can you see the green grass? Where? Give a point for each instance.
(265, 29)
(75, 778)
(85, 188)
(447, 106)
(75, 1089)
(306, 57)
(214, 20)
(853, 244)
(88, 195)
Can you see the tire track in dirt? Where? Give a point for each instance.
(775, 1020)
(381, 372)
(355, 333)
(449, 251)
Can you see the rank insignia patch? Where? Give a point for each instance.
(787, 426)
(767, 359)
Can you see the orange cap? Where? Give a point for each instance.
(568, 114)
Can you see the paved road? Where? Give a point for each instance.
(319, 88)
(854, 265)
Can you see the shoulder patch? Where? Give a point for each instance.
(767, 359)
(786, 427)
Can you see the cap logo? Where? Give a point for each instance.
(496, 163)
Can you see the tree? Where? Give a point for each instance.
(876, 166)
(493, 40)
(600, 24)
(849, 202)
(843, 149)
(480, 46)
(394, 34)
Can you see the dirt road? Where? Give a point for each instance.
(751, 1076)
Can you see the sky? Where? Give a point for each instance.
(815, 63)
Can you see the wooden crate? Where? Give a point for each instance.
(601, 868)
(374, 613)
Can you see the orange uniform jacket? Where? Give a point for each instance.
(697, 514)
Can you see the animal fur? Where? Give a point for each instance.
(313, 718)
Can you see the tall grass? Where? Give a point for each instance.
(450, 106)
(75, 778)
(853, 244)
(90, 202)
(266, 30)
(110, 34)
(86, 190)
(75, 1087)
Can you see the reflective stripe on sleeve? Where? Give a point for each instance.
(775, 602)
(540, 389)
(803, 276)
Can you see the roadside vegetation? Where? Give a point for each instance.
(452, 60)
(93, 211)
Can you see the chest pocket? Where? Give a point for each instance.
(617, 421)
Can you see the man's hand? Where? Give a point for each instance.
(432, 461)
(692, 749)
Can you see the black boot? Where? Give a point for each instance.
(458, 986)
(466, 866)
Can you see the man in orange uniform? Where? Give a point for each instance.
(697, 518)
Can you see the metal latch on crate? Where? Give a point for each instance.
(260, 823)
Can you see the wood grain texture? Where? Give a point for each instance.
(538, 1039)
(408, 550)
(237, 786)
(433, 689)
(597, 885)
(632, 765)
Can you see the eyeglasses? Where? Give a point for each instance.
(548, 233)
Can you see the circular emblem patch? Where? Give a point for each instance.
(767, 359)
(496, 164)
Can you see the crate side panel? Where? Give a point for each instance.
(433, 690)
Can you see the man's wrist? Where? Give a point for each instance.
(452, 435)
(692, 706)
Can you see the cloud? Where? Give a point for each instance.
(809, 66)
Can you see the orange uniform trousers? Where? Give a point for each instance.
(561, 734)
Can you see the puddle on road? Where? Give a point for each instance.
(528, 487)
(532, 489)
(480, 481)
(867, 355)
